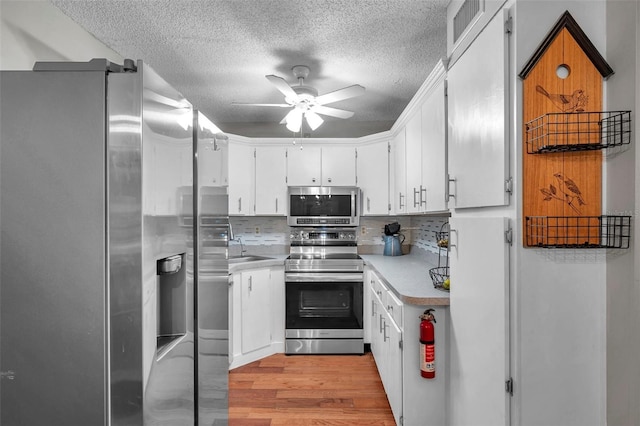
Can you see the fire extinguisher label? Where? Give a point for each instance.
(428, 357)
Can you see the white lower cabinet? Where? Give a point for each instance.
(386, 345)
(255, 302)
(256, 311)
(393, 332)
(479, 316)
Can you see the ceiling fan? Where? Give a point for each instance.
(305, 100)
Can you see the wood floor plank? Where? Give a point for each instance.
(308, 390)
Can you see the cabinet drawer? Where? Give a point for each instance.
(394, 306)
(377, 287)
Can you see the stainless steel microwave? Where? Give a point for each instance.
(323, 206)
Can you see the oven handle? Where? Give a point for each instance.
(323, 277)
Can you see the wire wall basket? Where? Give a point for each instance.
(578, 131)
(578, 231)
(440, 274)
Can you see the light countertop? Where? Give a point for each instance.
(408, 277)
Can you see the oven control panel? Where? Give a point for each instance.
(329, 236)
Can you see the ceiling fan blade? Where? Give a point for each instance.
(267, 105)
(338, 95)
(332, 112)
(282, 85)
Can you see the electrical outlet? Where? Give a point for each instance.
(363, 230)
(257, 231)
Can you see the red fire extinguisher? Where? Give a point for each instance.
(427, 345)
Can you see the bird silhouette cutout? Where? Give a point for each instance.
(575, 102)
(567, 191)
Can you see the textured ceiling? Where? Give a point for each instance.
(216, 52)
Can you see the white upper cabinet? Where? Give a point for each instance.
(413, 163)
(434, 156)
(419, 148)
(270, 180)
(241, 169)
(338, 165)
(321, 166)
(212, 162)
(478, 120)
(399, 198)
(373, 177)
(304, 165)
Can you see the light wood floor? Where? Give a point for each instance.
(305, 390)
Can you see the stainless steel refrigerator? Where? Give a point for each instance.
(212, 234)
(99, 287)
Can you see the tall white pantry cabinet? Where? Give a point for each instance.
(480, 380)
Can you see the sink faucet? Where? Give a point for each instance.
(242, 250)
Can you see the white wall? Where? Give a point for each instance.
(33, 31)
(560, 312)
(622, 189)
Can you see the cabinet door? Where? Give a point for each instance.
(256, 308)
(304, 165)
(212, 163)
(434, 155)
(376, 327)
(338, 166)
(373, 178)
(479, 314)
(399, 199)
(478, 116)
(413, 163)
(270, 180)
(392, 336)
(241, 166)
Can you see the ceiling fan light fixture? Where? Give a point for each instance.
(294, 120)
(313, 119)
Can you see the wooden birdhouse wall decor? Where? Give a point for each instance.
(563, 138)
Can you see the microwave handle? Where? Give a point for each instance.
(354, 204)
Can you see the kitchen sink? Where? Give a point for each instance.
(247, 258)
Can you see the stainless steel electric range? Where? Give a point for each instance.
(324, 292)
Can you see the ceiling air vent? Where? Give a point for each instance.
(463, 18)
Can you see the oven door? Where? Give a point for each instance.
(324, 313)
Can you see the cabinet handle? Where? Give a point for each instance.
(401, 197)
(250, 283)
(329, 180)
(390, 308)
(450, 180)
(381, 323)
(239, 204)
(384, 332)
(415, 192)
(453, 232)
(368, 204)
(276, 204)
(425, 196)
(373, 308)
(313, 180)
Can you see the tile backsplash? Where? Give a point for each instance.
(270, 234)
